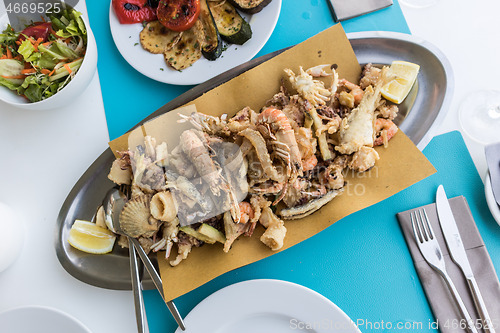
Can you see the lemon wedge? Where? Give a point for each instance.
(404, 75)
(88, 237)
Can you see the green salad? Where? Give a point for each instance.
(40, 60)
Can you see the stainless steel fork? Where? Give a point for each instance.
(431, 251)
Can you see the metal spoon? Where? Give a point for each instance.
(113, 205)
(112, 202)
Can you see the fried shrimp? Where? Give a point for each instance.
(275, 124)
(385, 129)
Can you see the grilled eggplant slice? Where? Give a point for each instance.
(250, 6)
(232, 27)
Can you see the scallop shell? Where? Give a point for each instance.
(136, 219)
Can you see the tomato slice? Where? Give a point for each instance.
(133, 11)
(37, 31)
(178, 15)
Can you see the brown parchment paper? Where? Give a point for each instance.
(400, 165)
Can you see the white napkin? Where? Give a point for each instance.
(346, 9)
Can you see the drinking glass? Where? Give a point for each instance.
(479, 116)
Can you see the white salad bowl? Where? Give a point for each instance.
(70, 92)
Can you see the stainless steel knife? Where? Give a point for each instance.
(459, 256)
(493, 158)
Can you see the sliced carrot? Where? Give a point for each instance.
(50, 74)
(28, 71)
(18, 57)
(18, 42)
(47, 43)
(37, 42)
(68, 68)
(45, 71)
(9, 53)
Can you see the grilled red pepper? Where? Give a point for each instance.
(134, 11)
(178, 15)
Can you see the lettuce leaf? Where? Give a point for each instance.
(61, 48)
(34, 90)
(8, 83)
(8, 36)
(48, 52)
(38, 87)
(27, 50)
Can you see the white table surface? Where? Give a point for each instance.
(35, 183)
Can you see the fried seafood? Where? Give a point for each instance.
(385, 129)
(263, 156)
(163, 206)
(364, 159)
(369, 76)
(193, 146)
(274, 124)
(308, 88)
(304, 210)
(169, 237)
(232, 230)
(318, 71)
(353, 96)
(230, 173)
(357, 129)
(120, 173)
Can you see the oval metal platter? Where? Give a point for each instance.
(422, 111)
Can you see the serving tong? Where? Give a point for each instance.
(113, 204)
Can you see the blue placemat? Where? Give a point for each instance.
(362, 262)
(130, 96)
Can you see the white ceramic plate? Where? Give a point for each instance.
(126, 38)
(267, 306)
(39, 319)
(490, 199)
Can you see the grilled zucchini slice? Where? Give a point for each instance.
(208, 35)
(232, 27)
(250, 6)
